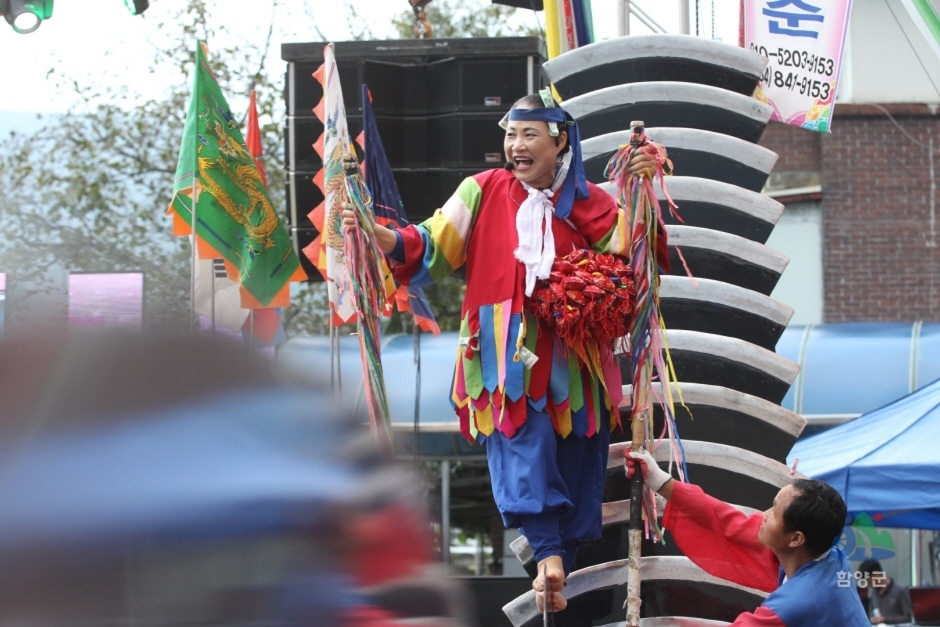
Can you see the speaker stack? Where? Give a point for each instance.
(437, 104)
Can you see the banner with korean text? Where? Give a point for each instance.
(803, 40)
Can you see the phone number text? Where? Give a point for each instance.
(798, 59)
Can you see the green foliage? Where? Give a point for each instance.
(467, 18)
(90, 191)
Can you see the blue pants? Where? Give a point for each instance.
(548, 486)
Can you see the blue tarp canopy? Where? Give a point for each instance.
(439, 430)
(885, 463)
(857, 367)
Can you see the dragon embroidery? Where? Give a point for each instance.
(246, 178)
(334, 187)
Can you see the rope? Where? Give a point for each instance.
(713, 20)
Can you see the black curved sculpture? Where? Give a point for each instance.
(719, 206)
(720, 256)
(685, 105)
(708, 306)
(693, 152)
(644, 58)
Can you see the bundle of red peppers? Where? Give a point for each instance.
(588, 296)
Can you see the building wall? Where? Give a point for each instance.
(797, 149)
(887, 57)
(879, 232)
(798, 235)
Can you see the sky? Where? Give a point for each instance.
(98, 40)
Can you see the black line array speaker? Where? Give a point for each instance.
(437, 104)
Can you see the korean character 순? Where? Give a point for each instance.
(807, 13)
(845, 579)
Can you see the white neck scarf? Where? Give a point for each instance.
(536, 241)
(534, 227)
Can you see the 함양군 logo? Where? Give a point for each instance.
(862, 540)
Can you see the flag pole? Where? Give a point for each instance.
(417, 358)
(332, 354)
(193, 326)
(193, 321)
(213, 298)
(339, 365)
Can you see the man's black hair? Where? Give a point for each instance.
(870, 567)
(534, 101)
(818, 511)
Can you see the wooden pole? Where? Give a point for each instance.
(640, 412)
(635, 535)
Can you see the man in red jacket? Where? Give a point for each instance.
(787, 550)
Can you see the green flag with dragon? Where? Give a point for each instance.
(235, 219)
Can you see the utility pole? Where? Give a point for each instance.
(623, 17)
(684, 17)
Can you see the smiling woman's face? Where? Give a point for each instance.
(532, 151)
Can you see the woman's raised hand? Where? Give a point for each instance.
(384, 237)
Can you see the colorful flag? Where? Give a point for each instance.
(253, 139)
(568, 24)
(326, 251)
(235, 219)
(389, 209)
(263, 324)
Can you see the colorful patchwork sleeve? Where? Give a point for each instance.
(602, 223)
(438, 246)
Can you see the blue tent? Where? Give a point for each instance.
(886, 464)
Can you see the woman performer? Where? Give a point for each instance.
(544, 413)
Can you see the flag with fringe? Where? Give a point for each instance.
(218, 183)
(389, 210)
(358, 278)
(326, 251)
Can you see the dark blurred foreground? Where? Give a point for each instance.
(176, 481)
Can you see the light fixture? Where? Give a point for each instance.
(136, 7)
(25, 16)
